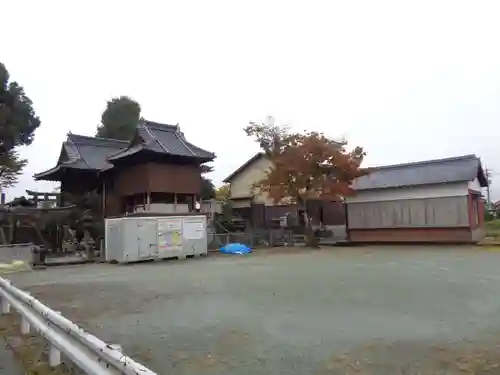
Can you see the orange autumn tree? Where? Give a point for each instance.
(305, 166)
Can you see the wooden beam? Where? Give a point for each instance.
(103, 193)
(3, 240)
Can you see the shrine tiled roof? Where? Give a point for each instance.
(164, 139)
(99, 154)
(92, 152)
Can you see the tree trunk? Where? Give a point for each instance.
(311, 240)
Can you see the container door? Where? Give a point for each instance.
(146, 239)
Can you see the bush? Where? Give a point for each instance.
(493, 224)
(493, 228)
(488, 215)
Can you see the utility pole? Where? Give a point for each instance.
(488, 192)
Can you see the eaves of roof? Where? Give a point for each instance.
(244, 166)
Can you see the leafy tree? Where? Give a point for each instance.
(207, 189)
(306, 166)
(225, 219)
(222, 192)
(18, 123)
(205, 168)
(268, 135)
(489, 215)
(119, 119)
(11, 167)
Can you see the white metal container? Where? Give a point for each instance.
(136, 238)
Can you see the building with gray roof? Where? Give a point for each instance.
(430, 201)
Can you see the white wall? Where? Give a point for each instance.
(242, 184)
(242, 203)
(211, 206)
(418, 192)
(164, 208)
(474, 185)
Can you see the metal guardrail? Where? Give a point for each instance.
(86, 351)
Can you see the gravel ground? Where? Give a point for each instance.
(361, 310)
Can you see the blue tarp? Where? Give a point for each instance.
(235, 248)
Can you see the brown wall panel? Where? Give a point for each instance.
(412, 235)
(154, 177)
(410, 213)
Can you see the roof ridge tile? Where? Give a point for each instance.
(159, 126)
(181, 138)
(155, 138)
(425, 162)
(95, 141)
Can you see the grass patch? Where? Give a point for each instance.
(492, 228)
(492, 225)
(31, 350)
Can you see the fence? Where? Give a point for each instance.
(274, 237)
(87, 352)
(253, 239)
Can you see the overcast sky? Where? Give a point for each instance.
(407, 80)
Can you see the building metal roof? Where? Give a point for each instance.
(456, 169)
(98, 154)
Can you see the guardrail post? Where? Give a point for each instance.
(25, 326)
(54, 356)
(5, 305)
(89, 353)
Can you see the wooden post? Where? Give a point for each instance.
(3, 238)
(103, 197)
(197, 206)
(12, 222)
(148, 201)
(59, 199)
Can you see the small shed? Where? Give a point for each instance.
(429, 201)
(150, 235)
